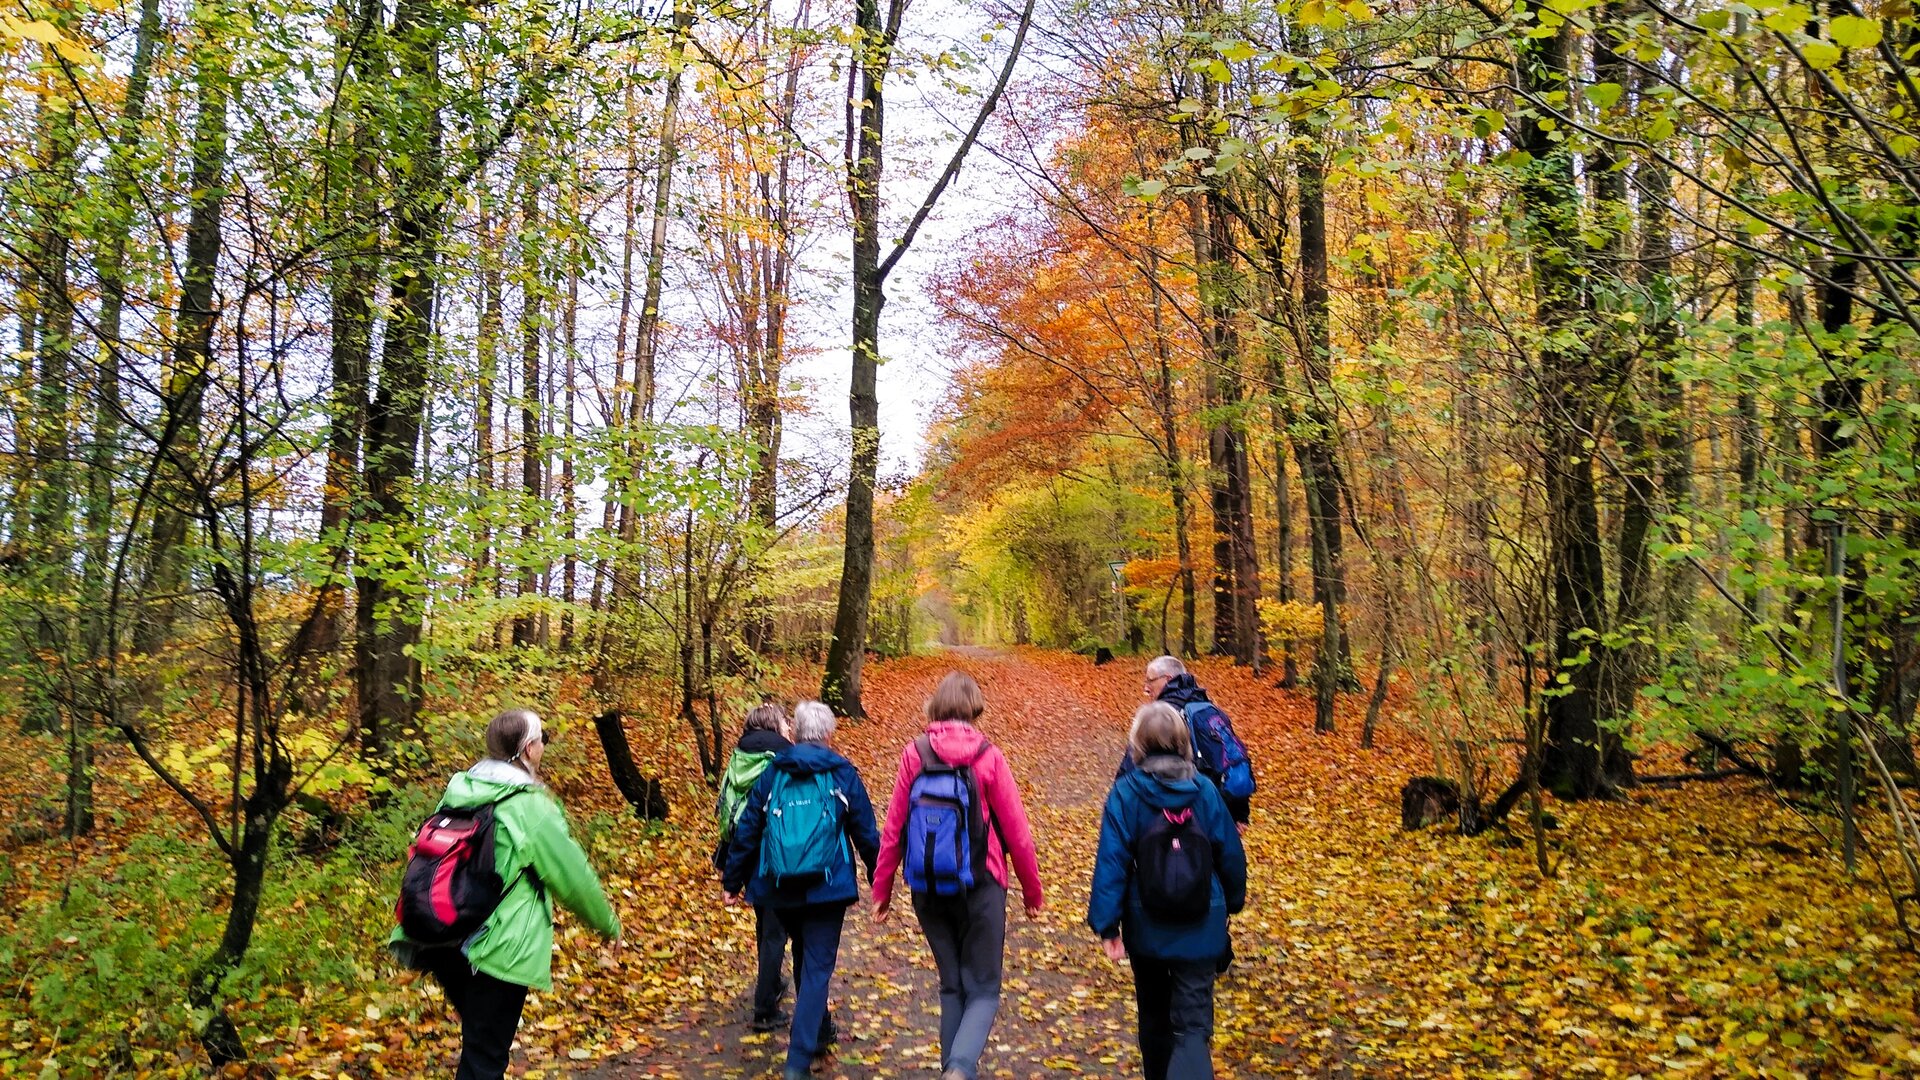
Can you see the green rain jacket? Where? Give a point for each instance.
(539, 862)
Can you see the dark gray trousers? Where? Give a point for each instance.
(1175, 1000)
(968, 936)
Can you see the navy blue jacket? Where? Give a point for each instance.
(743, 855)
(1179, 691)
(1113, 907)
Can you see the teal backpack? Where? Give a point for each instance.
(803, 844)
(743, 770)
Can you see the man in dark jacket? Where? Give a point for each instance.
(1167, 680)
(811, 915)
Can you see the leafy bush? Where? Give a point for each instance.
(101, 952)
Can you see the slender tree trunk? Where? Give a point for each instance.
(1316, 442)
(352, 282)
(1216, 309)
(647, 337)
(526, 624)
(569, 448)
(1166, 407)
(191, 360)
(487, 340)
(111, 267)
(49, 443)
(846, 653)
(387, 617)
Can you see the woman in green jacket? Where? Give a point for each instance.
(487, 977)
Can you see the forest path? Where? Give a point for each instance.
(1065, 1009)
(1364, 950)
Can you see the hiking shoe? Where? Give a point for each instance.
(762, 1024)
(954, 1074)
(829, 1034)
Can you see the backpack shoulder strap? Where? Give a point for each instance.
(928, 758)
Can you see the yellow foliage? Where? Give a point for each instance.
(1290, 626)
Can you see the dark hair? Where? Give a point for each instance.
(957, 697)
(765, 717)
(507, 731)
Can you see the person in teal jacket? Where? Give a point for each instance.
(487, 977)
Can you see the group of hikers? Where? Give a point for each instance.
(476, 901)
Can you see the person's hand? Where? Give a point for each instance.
(1116, 952)
(732, 898)
(1034, 908)
(1242, 826)
(883, 912)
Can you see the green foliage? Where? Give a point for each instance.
(102, 953)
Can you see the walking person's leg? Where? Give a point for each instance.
(488, 1026)
(816, 945)
(1153, 995)
(982, 951)
(768, 987)
(489, 1012)
(940, 922)
(1191, 1012)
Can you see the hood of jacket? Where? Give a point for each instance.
(956, 741)
(809, 757)
(1181, 691)
(487, 781)
(761, 741)
(1165, 782)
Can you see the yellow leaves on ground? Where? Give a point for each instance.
(1691, 933)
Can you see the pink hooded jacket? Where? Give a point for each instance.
(961, 743)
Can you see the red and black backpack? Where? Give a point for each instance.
(451, 886)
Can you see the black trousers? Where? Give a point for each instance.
(489, 1013)
(1175, 999)
(771, 945)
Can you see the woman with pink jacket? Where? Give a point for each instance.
(954, 822)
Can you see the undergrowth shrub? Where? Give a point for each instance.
(99, 953)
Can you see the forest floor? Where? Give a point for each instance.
(1696, 931)
(1703, 930)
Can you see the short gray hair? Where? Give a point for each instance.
(1165, 667)
(813, 722)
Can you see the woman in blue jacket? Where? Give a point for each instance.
(1174, 956)
(812, 912)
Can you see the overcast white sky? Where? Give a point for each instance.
(924, 123)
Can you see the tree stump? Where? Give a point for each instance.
(1427, 799)
(643, 793)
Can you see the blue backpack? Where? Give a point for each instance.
(946, 827)
(803, 843)
(1219, 752)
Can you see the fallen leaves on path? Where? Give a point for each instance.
(1694, 932)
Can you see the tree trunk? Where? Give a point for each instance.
(642, 792)
(526, 623)
(111, 269)
(846, 654)
(351, 282)
(387, 617)
(1579, 757)
(1166, 407)
(1316, 442)
(489, 581)
(192, 356)
(49, 441)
